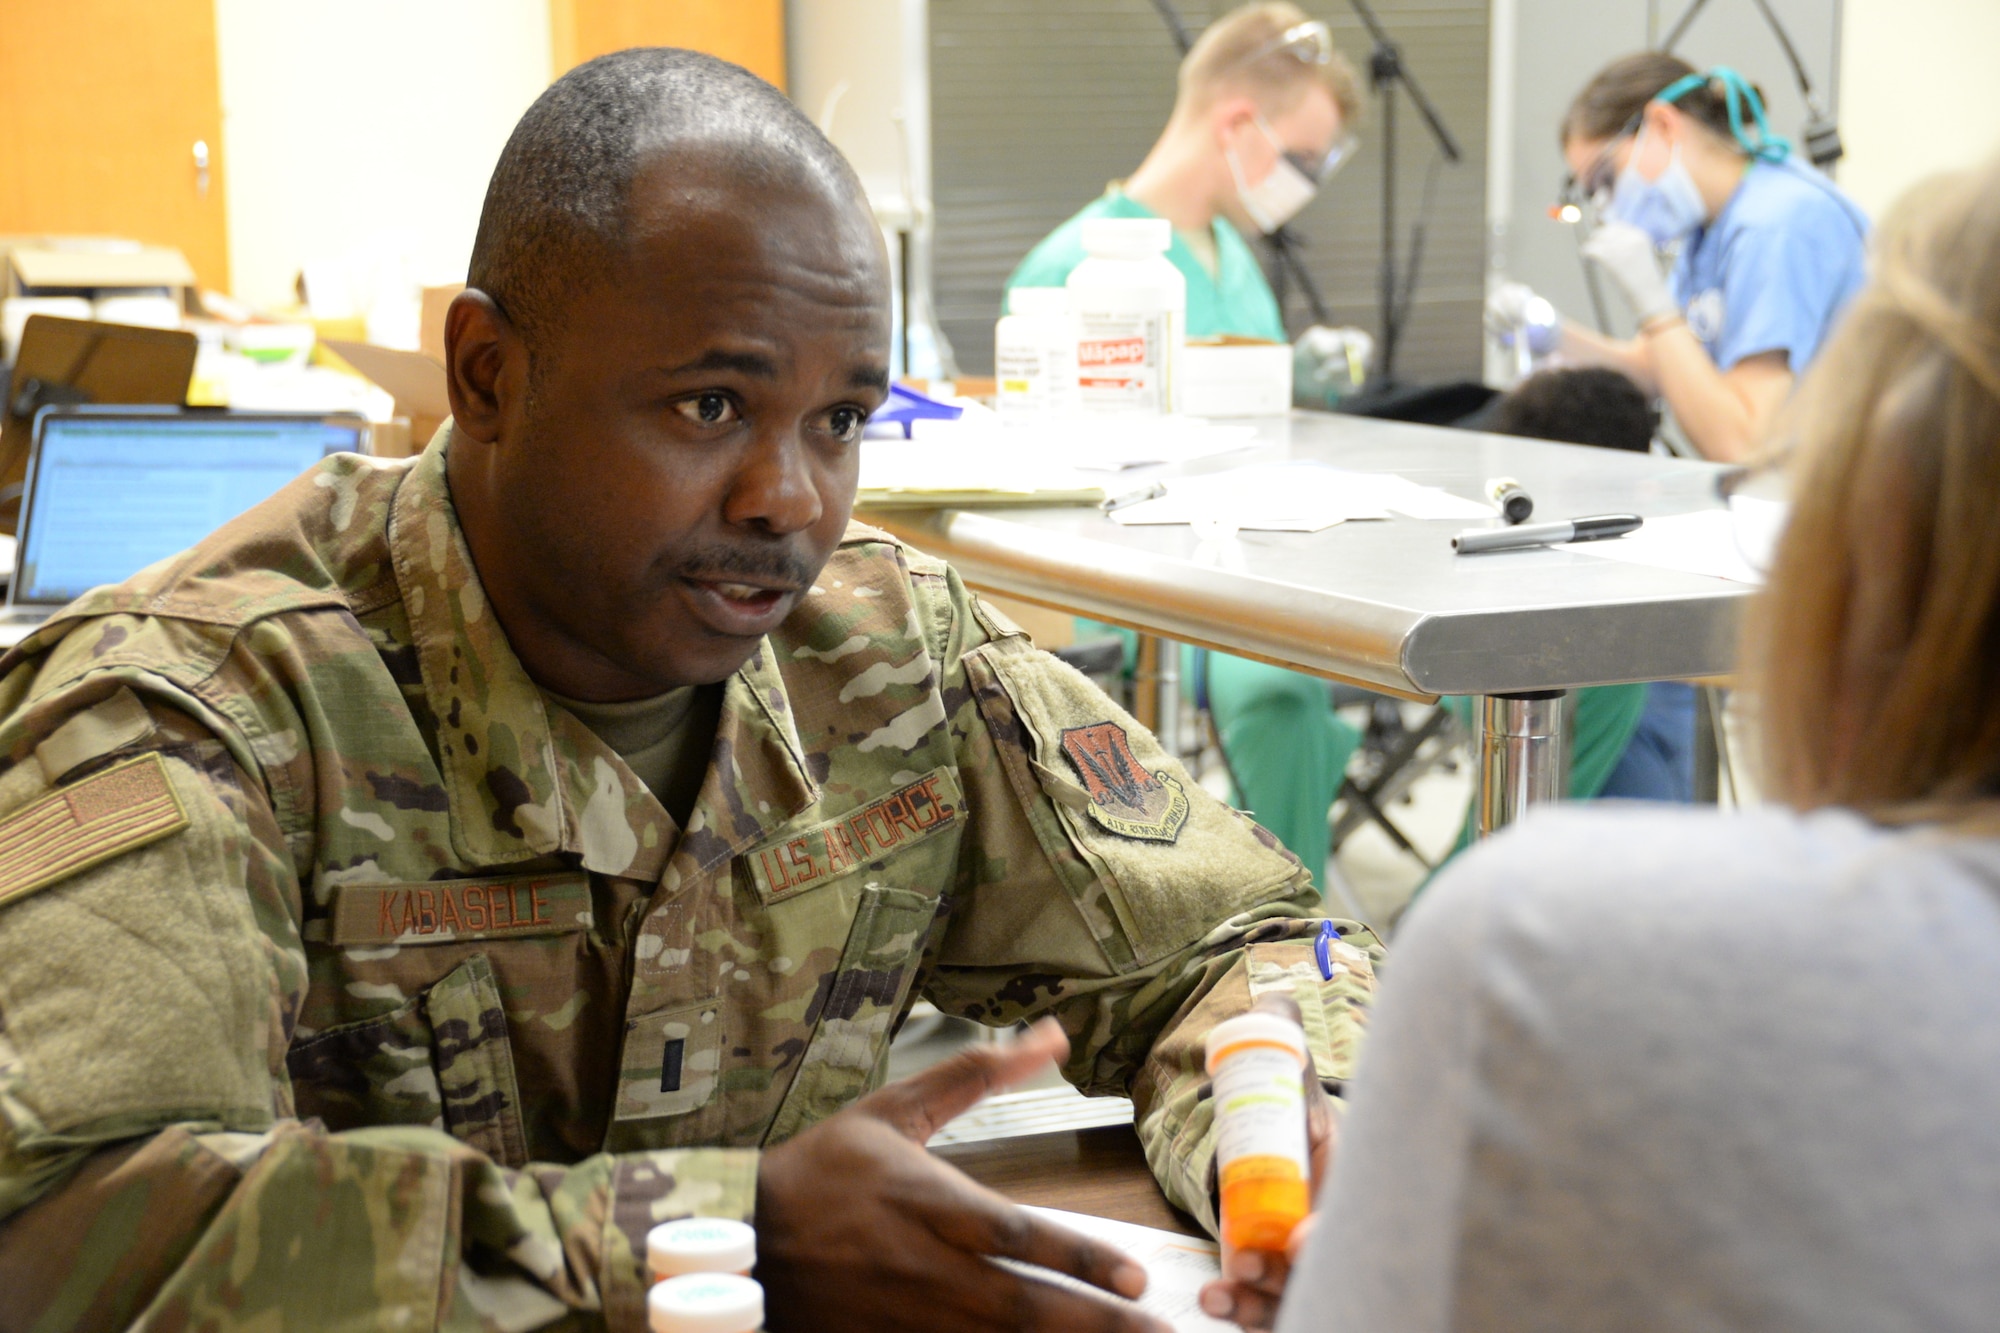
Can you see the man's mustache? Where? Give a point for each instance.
(717, 563)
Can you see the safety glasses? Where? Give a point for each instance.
(1318, 169)
(1309, 43)
(1594, 185)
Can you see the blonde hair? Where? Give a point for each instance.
(1875, 648)
(1240, 53)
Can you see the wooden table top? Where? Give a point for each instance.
(1099, 1171)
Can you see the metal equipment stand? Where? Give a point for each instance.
(1521, 756)
(1387, 71)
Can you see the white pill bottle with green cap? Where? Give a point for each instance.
(706, 1303)
(1129, 303)
(700, 1245)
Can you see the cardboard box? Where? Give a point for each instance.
(123, 282)
(1235, 377)
(430, 319)
(413, 379)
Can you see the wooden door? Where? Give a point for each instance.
(101, 105)
(750, 33)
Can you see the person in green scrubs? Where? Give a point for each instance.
(1261, 118)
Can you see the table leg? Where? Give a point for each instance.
(1156, 690)
(1707, 754)
(1520, 756)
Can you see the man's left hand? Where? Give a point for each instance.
(1252, 1281)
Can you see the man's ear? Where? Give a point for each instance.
(1227, 118)
(485, 364)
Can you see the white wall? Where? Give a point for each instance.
(367, 125)
(1918, 92)
(861, 70)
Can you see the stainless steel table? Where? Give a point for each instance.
(1387, 604)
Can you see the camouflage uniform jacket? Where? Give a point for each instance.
(344, 975)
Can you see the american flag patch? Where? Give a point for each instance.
(87, 823)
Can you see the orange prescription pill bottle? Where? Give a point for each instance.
(701, 1245)
(1257, 1061)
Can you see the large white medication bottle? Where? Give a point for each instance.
(1130, 307)
(1034, 353)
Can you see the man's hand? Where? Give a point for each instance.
(858, 1227)
(1252, 1281)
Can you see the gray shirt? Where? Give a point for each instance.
(1678, 1070)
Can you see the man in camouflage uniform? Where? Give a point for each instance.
(358, 970)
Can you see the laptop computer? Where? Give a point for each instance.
(111, 490)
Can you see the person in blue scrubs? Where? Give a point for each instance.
(1770, 250)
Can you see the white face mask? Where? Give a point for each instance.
(1277, 199)
(1665, 209)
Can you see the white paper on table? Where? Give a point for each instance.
(1177, 1267)
(1700, 543)
(1295, 497)
(1414, 501)
(1101, 444)
(916, 467)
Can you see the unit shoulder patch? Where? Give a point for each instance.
(1125, 797)
(86, 824)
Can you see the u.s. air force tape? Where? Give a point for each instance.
(802, 858)
(441, 911)
(87, 823)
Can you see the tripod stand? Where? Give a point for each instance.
(1386, 71)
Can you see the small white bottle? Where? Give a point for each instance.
(701, 1245)
(706, 1303)
(1130, 307)
(1034, 354)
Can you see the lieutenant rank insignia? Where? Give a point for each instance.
(1125, 797)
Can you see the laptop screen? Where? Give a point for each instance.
(109, 494)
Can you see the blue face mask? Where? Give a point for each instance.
(1666, 209)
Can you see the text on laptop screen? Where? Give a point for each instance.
(111, 495)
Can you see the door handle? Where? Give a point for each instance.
(201, 167)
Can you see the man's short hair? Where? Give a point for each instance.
(1244, 53)
(555, 220)
(1581, 405)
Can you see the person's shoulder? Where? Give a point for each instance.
(1580, 862)
(1574, 900)
(875, 585)
(1055, 255)
(866, 546)
(320, 543)
(1791, 200)
(1229, 238)
(872, 578)
(1671, 837)
(321, 540)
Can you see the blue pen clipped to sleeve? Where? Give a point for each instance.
(1323, 948)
